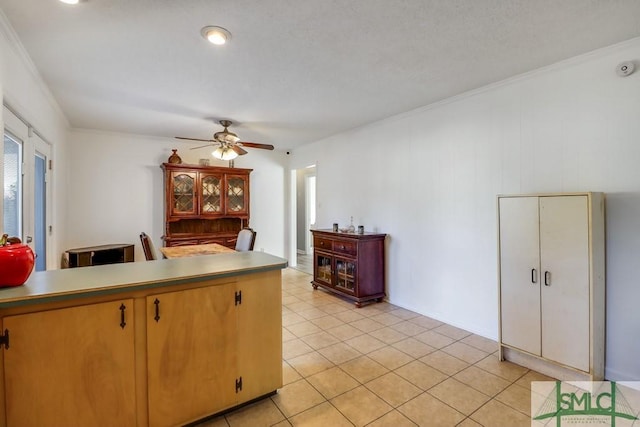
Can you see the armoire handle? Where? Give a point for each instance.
(534, 279)
(547, 278)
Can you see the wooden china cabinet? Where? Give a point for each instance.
(349, 264)
(205, 204)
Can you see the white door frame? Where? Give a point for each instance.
(32, 144)
(43, 150)
(293, 228)
(309, 201)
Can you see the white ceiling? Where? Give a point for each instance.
(295, 71)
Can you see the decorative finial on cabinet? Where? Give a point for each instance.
(174, 158)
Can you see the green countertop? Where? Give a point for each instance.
(48, 286)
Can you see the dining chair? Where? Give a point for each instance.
(147, 247)
(246, 239)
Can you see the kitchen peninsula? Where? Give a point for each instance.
(156, 343)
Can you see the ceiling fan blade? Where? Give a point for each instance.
(195, 139)
(255, 145)
(200, 146)
(239, 150)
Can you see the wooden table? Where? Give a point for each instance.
(193, 250)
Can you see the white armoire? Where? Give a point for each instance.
(552, 283)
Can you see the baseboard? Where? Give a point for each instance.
(546, 367)
(616, 375)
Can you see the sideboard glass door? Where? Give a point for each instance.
(323, 269)
(345, 275)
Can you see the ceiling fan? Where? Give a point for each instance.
(228, 145)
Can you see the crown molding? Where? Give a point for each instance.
(13, 41)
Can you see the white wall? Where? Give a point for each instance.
(116, 189)
(22, 88)
(429, 178)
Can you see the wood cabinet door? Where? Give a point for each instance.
(345, 275)
(182, 198)
(520, 273)
(71, 367)
(260, 335)
(211, 191)
(564, 249)
(192, 354)
(323, 268)
(237, 195)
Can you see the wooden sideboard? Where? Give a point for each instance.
(350, 264)
(205, 204)
(100, 255)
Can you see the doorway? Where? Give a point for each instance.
(26, 211)
(41, 190)
(305, 217)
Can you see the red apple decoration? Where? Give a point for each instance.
(16, 263)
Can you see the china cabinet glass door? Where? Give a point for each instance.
(184, 197)
(211, 190)
(236, 194)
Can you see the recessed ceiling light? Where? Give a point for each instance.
(216, 35)
(70, 1)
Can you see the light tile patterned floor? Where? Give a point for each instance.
(382, 365)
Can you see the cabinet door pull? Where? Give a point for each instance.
(547, 278)
(157, 316)
(534, 279)
(122, 309)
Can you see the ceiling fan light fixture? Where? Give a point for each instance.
(224, 153)
(216, 35)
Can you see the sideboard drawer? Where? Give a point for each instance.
(343, 247)
(324, 244)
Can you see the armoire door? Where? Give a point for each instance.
(520, 273)
(564, 252)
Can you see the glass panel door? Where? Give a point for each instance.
(323, 269)
(27, 191)
(184, 195)
(12, 201)
(236, 194)
(345, 274)
(40, 211)
(211, 194)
